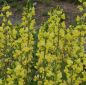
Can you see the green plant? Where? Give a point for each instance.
(52, 55)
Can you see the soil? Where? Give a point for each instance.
(42, 9)
(69, 8)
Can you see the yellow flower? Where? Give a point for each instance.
(3, 24)
(14, 33)
(41, 70)
(80, 8)
(79, 69)
(8, 13)
(36, 78)
(63, 16)
(58, 76)
(24, 23)
(68, 37)
(1, 82)
(10, 83)
(24, 18)
(39, 82)
(32, 24)
(9, 22)
(9, 71)
(4, 19)
(78, 18)
(41, 43)
(76, 33)
(1, 29)
(25, 49)
(84, 4)
(17, 53)
(51, 82)
(69, 62)
(21, 81)
(9, 78)
(49, 58)
(1, 15)
(84, 14)
(63, 25)
(48, 82)
(5, 8)
(49, 73)
(62, 32)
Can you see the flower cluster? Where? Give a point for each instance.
(16, 48)
(51, 55)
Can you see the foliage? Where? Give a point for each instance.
(52, 55)
(16, 48)
(1, 1)
(44, 1)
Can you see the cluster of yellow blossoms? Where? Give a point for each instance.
(51, 55)
(16, 48)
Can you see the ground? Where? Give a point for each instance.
(42, 9)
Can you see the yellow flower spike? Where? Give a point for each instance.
(69, 62)
(9, 22)
(39, 82)
(1, 29)
(63, 24)
(10, 83)
(9, 78)
(80, 8)
(12, 40)
(4, 19)
(5, 8)
(41, 70)
(1, 15)
(24, 23)
(58, 52)
(49, 36)
(59, 76)
(21, 82)
(62, 33)
(17, 53)
(14, 33)
(32, 24)
(23, 18)
(36, 78)
(68, 37)
(20, 71)
(1, 82)
(76, 33)
(84, 15)
(52, 82)
(79, 69)
(46, 82)
(84, 4)
(63, 16)
(9, 71)
(2, 36)
(64, 83)
(49, 73)
(26, 49)
(8, 14)
(33, 11)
